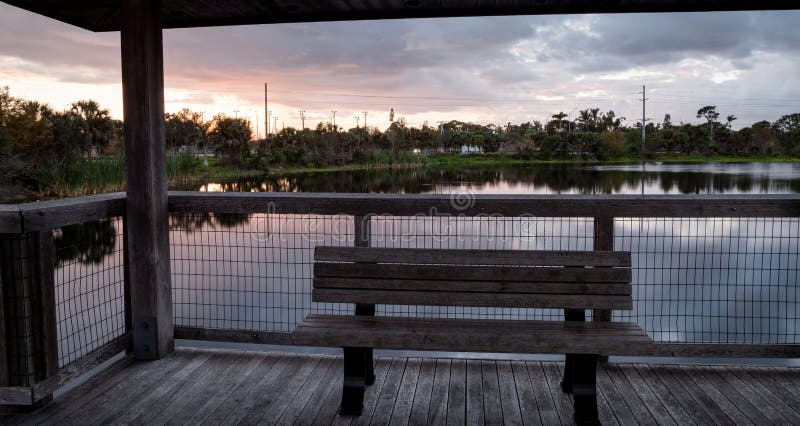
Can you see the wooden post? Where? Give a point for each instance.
(146, 178)
(28, 330)
(603, 240)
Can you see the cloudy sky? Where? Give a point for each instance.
(485, 70)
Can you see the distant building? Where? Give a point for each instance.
(470, 149)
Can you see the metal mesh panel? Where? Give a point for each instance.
(254, 272)
(484, 233)
(248, 272)
(714, 280)
(90, 291)
(695, 279)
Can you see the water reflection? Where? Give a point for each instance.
(540, 179)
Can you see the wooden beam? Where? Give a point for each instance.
(69, 211)
(236, 336)
(146, 178)
(489, 205)
(10, 219)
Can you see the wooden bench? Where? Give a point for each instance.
(573, 281)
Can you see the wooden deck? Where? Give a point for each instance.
(196, 386)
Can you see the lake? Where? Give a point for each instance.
(695, 279)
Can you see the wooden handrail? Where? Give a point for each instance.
(37, 216)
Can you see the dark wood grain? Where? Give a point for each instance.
(466, 272)
(103, 15)
(473, 257)
(749, 205)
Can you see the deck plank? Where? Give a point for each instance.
(785, 402)
(269, 411)
(689, 404)
(492, 401)
(526, 397)
(509, 400)
(233, 399)
(475, 413)
(388, 395)
(651, 401)
(608, 388)
(401, 412)
(371, 396)
(423, 393)
(159, 396)
(733, 403)
(759, 413)
(544, 400)
(332, 400)
(457, 393)
(220, 386)
(332, 378)
(185, 404)
(664, 395)
(230, 382)
(274, 379)
(437, 413)
(710, 398)
(563, 401)
(635, 403)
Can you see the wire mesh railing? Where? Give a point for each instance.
(695, 280)
(89, 287)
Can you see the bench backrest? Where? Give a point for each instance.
(490, 278)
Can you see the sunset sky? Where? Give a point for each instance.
(485, 70)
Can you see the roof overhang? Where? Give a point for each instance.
(104, 15)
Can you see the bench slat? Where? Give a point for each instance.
(474, 286)
(473, 257)
(527, 326)
(472, 273)
(440, 298)
(462, 335)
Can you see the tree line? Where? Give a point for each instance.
(38, 142)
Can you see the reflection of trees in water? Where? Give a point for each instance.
(191, 222)
(550, 178)
(86, 242)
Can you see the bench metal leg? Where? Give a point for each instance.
(584, 389)
(368, 310)
(355, 380)
(569, 362)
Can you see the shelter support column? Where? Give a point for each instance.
(147, 235)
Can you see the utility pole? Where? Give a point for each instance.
(333, 114)
(303, 119)
(441, 135)
(236, 113)
(266, 113)
(275, 126)
(357, 117)
(365, 119)
(269, 118)
(256, 125)
(644, 119)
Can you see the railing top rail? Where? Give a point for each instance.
(29, 217)
(749, 205)
(50, 214)
(10, 219)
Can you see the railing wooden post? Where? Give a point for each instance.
(28, 309)
(147, 238)
(603, 240)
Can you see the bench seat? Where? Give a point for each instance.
(471, 335)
